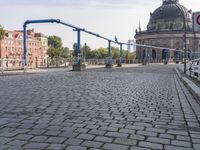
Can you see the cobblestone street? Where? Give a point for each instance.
(139, 108)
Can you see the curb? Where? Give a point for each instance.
(192, 87)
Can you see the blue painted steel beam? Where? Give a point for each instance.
(78, 29)
(25, 32)
(79, 47)
(42, 21)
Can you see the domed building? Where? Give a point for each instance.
(166, 28)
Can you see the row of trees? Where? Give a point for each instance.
(102, 53)
(56, 51)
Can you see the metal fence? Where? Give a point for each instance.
(11, 64)
(17, 64)
(195, 68)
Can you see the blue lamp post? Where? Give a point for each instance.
(109, 64)
(25, 48)
(79, 47)
(184, 36)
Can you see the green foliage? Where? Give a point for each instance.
(55, 48)
(55, 42)
(93, 54)
(124, 54)
(75, 50)
(2, 32)
(103, 53)
(132, 56)
(54, 52)
(65, 52)
(86, 50)
(115, 52)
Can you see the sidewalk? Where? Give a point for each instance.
(33, 71)
(181, 67)
(191, 85)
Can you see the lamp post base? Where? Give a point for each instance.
(109, 65)
(77, 67)
(119, 65)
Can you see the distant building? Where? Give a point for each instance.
(12, 50)
(44, 40)
(131, 47)
(166, 29)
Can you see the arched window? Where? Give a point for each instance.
(153, 54)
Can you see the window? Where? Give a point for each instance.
(6, 51)
(10, 35)
(18, 50)
(153, 54)
(30, 51)
(13, 50)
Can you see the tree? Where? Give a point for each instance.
(93, 54)
(75, 54)
(124, 54)
(55, 48)
(65, 52)
(2, 32)
(132, 56)
(55, 42)
(54, 53)
(115, 52)
(85, 50)
(103, 53)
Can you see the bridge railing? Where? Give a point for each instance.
(11, 64)
(195, 67)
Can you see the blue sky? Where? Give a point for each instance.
(106, 17)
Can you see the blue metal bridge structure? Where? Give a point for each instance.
(78, 30)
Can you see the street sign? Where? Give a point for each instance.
(196, 21)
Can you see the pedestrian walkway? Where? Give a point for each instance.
(134, 108)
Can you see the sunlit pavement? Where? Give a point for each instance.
(137, 108)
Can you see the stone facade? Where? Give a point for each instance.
(44, 40)
(166, 28)
(12, 50)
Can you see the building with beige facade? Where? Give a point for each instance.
(166, 29)
(12, 50)
(44, 41)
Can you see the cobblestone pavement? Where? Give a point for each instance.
(138, 108)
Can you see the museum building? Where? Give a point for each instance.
(168, 26)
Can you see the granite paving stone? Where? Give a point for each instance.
(128, 108)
